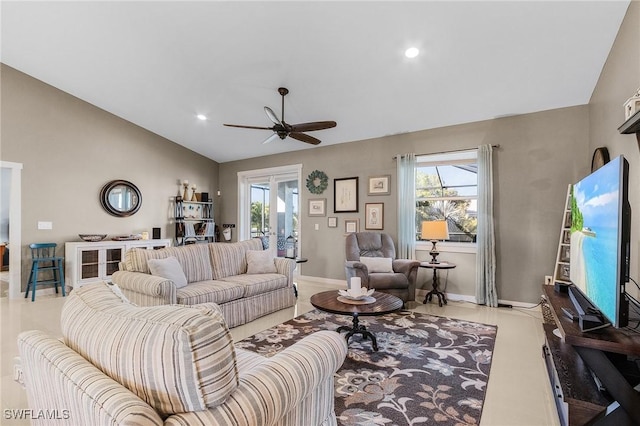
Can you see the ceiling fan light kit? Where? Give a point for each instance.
(281, 129)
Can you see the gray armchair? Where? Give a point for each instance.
(400, 281)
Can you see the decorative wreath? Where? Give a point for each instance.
(323, 182)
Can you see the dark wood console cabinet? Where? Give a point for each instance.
(570, 361)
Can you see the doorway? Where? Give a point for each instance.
(10, 193)
(269, 206)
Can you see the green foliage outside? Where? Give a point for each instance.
(259, 217)
(453, 211)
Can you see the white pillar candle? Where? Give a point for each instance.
(354, 283)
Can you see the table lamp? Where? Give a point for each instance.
(435, 230)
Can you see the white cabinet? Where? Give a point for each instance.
(87, 262)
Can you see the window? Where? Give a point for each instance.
(447, 189)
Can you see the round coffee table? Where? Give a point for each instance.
(385, 303)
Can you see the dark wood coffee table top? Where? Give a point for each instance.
(384, 304)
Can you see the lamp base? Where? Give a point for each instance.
(434, 253)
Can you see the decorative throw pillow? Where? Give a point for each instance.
(168, 268)
(377, 264)
(260, 262)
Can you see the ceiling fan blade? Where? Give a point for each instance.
(272, 115)
(305, 138)
(281, 129)
(310, 127)
(271, 138)
(248, 127)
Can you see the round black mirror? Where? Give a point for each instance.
(120, 198)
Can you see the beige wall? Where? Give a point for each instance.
(619, 80)
(69, 149)
(540, 155)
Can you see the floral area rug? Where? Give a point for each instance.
(428, 370)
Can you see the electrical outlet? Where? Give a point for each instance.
(317, 227)
(547, 279)
(45, 225)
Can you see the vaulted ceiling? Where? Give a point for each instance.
(159, 64)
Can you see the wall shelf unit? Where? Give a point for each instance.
(87, 262)
(632, 125)
(194, 221)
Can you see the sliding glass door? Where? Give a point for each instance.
(270, 205)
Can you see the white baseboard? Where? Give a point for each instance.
(420, 293)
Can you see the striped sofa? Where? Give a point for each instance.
(119, 364)
(215, 272)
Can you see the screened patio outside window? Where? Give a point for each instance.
(447, 189)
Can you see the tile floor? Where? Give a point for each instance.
(518, 392)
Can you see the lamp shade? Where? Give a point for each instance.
(435, 230)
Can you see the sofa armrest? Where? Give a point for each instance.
(405, 266)
(145, 289)
(295, 387)
(286, 266)
(354, 268)
(62, 382)
(409, 268)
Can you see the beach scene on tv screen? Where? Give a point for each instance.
(594, 236)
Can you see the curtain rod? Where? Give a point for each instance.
(448, 152)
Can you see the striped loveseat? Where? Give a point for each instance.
(119, 364)
(215, 272)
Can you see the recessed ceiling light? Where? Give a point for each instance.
(201, 117)
(411, 52)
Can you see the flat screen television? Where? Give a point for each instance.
(600, 244)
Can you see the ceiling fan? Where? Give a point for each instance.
(282, 129)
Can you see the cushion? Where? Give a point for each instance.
(194, 259)
(377, 264)
(229, 259)
(176, 358)
(168, 268)
(257, 284)
(215, 291)
(260, 262)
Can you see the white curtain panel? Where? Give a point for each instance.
(486, 293)
(406, 167)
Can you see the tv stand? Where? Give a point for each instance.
(570, 359)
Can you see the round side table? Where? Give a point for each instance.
(436, 280)
(297, 260)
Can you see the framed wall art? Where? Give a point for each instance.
(317, 207)
(345, 195)
(350, 226)
(332, 222)
(379, 185)
(374, 216)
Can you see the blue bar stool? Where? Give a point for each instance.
(44, 259)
